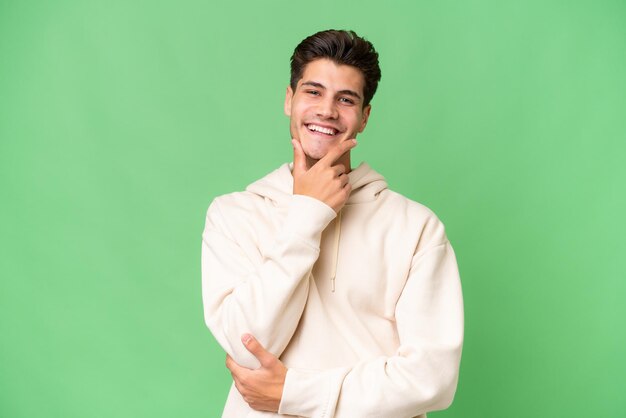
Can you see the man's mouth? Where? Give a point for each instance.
(321, 129)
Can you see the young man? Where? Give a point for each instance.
(332, 295)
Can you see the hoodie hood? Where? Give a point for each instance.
(277, 186)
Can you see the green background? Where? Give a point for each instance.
(121, 120)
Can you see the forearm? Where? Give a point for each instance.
(403, 386)
(265, 299)
(267, 304)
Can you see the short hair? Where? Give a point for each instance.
(344, 47)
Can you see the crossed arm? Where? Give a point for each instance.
(420, 377)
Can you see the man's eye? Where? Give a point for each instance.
(346, 100)
(313, 92)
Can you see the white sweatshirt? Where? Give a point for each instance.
(364, 308)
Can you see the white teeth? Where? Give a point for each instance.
(327, 131)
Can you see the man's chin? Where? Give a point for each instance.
(315, 152)
(314, 157)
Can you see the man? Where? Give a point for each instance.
(332, 295)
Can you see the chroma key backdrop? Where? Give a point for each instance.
(120, 121)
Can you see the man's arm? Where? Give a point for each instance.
(420, 377)
(267, 300)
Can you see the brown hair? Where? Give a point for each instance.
(344, 47)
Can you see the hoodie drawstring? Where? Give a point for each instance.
(336, 252)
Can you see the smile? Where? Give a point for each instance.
(316, 128)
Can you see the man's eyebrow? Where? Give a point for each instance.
(313, 83)
(321, 86)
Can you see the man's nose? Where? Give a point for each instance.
(327, 109)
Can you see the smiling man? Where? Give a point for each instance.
(332, 295)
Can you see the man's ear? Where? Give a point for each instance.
(366, 115)
(288, 97)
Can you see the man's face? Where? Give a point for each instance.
(327, 106)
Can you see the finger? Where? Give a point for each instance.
(299, 158)
(344, 179)
(339, 169)
(257, 350)
(240, 387)
(234, 367)
(337, 151)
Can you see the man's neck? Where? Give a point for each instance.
(343, 160)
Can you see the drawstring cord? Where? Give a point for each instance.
(336, 252)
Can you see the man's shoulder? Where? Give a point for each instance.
(415, 218)
(237, 197)
(235, 214)
(233, 204)
(273, 186)
(399, 202)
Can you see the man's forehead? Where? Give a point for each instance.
(325, 73)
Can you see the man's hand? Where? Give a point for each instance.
(262, 388)
(324, 181)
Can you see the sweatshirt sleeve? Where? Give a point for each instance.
(266, 299)
(422, 374)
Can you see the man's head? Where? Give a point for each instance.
(343, 48)
(334, 75)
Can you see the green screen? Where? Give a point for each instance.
(120, 121)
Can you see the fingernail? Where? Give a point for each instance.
(354, 140)
(246, 338)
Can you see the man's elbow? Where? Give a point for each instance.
(443, 392)
(445, 398)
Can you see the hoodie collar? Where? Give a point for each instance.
(277, 186)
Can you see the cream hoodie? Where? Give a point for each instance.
(364, 307)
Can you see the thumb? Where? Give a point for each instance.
(299, 159)
(257, 350)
